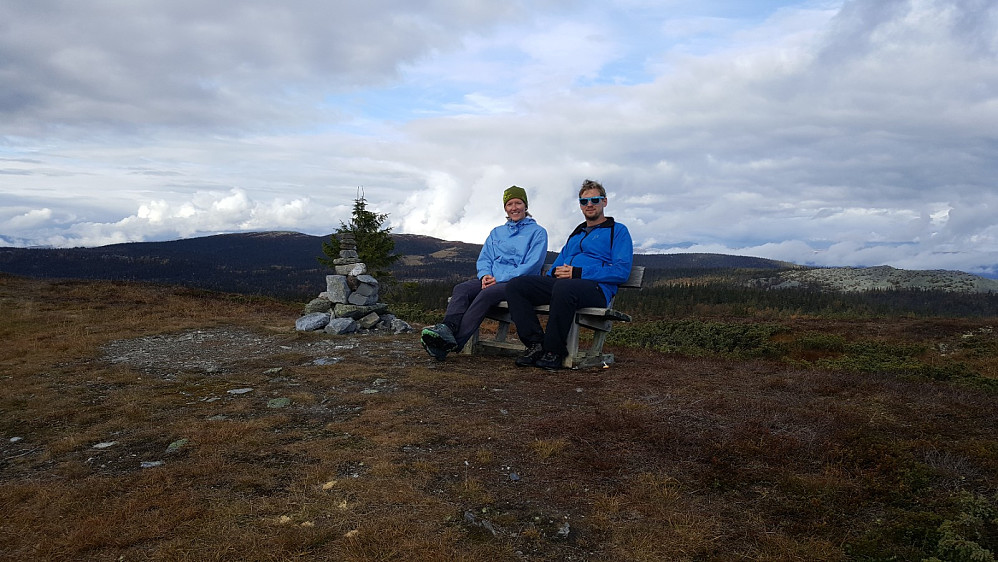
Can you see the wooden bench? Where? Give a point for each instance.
(599, 320)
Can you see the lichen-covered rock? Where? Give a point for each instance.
(369, 321)
(357, 312)
(318, 305)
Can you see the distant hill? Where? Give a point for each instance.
(279, 264)
(284, 264)
(880, 278)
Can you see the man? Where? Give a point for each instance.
(595, 260)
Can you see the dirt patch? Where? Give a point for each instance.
(226, 349)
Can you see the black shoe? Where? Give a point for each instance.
(435, 352)
(439, 336)
(549, 361)
(534, 352)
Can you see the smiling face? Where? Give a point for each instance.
(593, 211)
(516, 209)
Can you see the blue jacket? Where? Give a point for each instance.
(604, 254)
(513, 249)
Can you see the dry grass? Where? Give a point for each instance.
(386, 455)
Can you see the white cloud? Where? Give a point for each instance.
(839, 133)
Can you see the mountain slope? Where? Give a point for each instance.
(880, 278)
(284, 264)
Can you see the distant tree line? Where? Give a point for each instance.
(722, 298)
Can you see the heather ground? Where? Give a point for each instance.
(141, 422)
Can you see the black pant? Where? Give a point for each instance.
(564, 295)
(468, 305)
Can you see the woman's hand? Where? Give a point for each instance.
(488, 281)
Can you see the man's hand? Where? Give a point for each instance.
(563, 272)
(488, 281)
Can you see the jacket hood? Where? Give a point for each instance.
(515, 226)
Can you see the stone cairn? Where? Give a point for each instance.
(350, 302)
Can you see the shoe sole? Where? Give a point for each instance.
(433, 351)
(432, 339)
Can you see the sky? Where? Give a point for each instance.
(821, 132)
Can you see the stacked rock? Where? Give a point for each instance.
(350, 302)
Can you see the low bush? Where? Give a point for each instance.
(697, 338)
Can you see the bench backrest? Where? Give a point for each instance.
(637, 276)
(633, 282)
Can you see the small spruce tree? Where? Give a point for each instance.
(374, 244)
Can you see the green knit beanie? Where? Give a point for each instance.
(514, 192)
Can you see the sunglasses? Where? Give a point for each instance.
(583, 201)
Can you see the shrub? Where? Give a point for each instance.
(972, 535)
(696, 338)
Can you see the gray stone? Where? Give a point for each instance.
(369, 321)
(343, 269)
(367, 279)
(312, 322)
(386, 321)
(362, 300)
(318, 305)
(366, 289)
(336, 288)
(400, 326)
(359, 270)
(348, 253)
(345, 261)
(340, 326)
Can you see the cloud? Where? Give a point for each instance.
(205, 213)
(154, 63)
(821, 131)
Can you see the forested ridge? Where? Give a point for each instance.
(285, 265)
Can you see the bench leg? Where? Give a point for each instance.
(502, 332)
(572, 346)
(599, 337)
(469, 347)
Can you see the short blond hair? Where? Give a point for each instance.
(590, 184)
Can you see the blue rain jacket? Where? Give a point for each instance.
(513, 249)
(604, 254)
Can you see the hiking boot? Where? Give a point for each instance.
(534, 352)
(549, 361)
(439, 336)
(435, 352)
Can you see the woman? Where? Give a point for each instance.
(511, 250)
